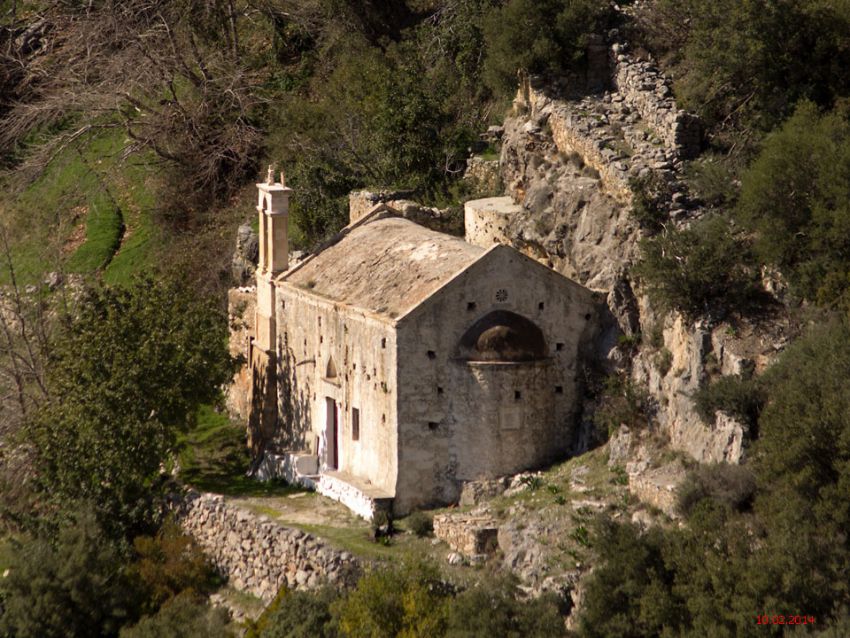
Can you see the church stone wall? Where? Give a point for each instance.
(311, 332)
(462, 421)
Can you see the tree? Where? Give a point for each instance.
(803, 464)
(129, 367)
(630, 593)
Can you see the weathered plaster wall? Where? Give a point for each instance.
(256, 554)
(311, 332)
(460, 421)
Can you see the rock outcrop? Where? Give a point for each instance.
(244, 262)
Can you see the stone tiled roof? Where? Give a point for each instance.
(385, 264)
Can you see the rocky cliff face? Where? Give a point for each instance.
(572, 165)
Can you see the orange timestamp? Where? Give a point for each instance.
(779, 619)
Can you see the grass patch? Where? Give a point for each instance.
(358, 541)
(88, 184)
(213, 458)
(104, 227)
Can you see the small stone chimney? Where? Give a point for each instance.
(273, 208)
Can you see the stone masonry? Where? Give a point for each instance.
(258, 555)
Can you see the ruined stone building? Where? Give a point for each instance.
(397, 363)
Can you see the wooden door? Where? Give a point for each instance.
(332, 434)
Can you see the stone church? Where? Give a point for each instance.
(397, 363)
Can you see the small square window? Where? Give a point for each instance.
(439, 390)
(559, 346)
(517, 395)
(432, 354)
(355, 424)
(433, 425)
(559, 389)
(471, 305)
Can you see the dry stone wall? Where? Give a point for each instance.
(258, 555)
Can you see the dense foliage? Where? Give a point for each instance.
(185, 616)
(546, 37)
(73, 585)
(410, 601)
(743, 65)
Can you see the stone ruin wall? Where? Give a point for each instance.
(471, 535)
(639, 130)
(256, 554)
(648, 91)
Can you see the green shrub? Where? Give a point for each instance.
(649, 196)
(388, 602)
(495, 608)
(629, 594)
(733, 486)
(663, 361)
(170, 563)
(712, 180)
(421, 524)
(700, 269)
(186, 616)
(740, 396)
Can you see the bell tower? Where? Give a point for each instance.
(273, 209)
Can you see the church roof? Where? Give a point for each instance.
(384, 264)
